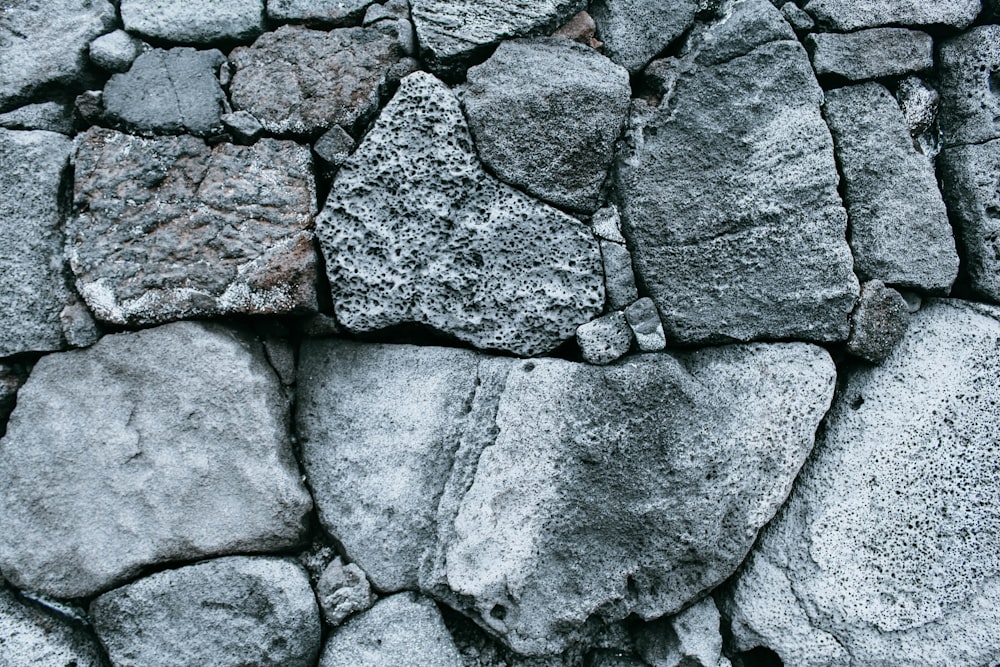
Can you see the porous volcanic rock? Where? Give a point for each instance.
(967, 79)
(844, 15)
(635, 31)
(878, 323)
(689, 639)
(605, 339)
(317, 12)
(50, 116)
(871, 54)
(30, 636)
(188, 22)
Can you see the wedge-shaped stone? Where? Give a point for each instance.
(635, 31)
(853, 14)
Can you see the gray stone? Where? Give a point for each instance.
(302, 82)
(403, 629)
(30, 636)
(967, 76)
(163, 231)
(689, 639)
(607, 224)
(605, 339)
(89, 106)
(853, 14)
(576, 100)
(887, 552)
(646, 325)
(397, 11)
(343, 590)
(188, 22)
(798, 18)
(871, 54)
(115, 51)
(49, 116)
(12, 376)
(242, 126)
(635, 31)
(32, 205)
(899, 228)
(739, 233)
(45, 43)
(168, 92)
(148, 447)
(415, 230)
(318, 13)
(227, 612)
(878, 322)
(79, 327)
(619, 280)
(919, 103)
(335, 146)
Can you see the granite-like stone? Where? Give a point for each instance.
(164, 231)
(343, 590)
(635, 31)
(844, 15)
(871, 54)
(646, 325)
(188, 22)
(605, 339)
(878, 322)
(48, 116)
(115, 51)
(919, 103)
(967, 80)
(619, 279)
(30, 636)
(607, 224)
(797, 17)
(689, 639)
(318, 13)
(148, 447)
(242, 126)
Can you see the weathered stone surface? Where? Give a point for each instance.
(148, 447)
(317, 12)
(689, 639)
(188, 22)
(854, 14)
(646, 325)
(798, 18)
(871, 54)
(887, 551)
(302, 82)
(415, 230)
(115, 51)
(49, 116)
(729, 192)
(581, 28)
(878, 322)
(343, 590)
(168, 92)
(403, 629)
(545, 114)
(899, 228)
(606, 224)
(163, 231)
(43, 43)
(242, 126)
(619, 279)
(227, 612)
(605, 339)
(635, 31)
(919, 103)
(30, 636)
(12, 376)
(32, 204)
(335, 146)
(967, 76)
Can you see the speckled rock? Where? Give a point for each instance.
(188, 22)
(335, 146)
(919, 103)
(242, 126)
(148, 447)
(798, 18)
(970, 108)
(12, 376)
(605, 339)
(343, 590)
(49, 116)
(607, 224)
(878, 322)
(844, 15)
(646, 325)
(162, 231)
(317, 12)
(871, 54)
(635, 31)
(30, 636)
(619, 278)
(689, 639)
(115, 51)
(415, 230)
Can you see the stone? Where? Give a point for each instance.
(452, 33)
(45, 44)
(607, 224)
(619, 280)
(149, 447)
(335, 146)
(845, 15)
(79, 327)
(967, 80)
(115, 51)
(186, 22)
(32, 208)
(33, 637)
(798, 18)
(317, 13)
(415, 230)
(875, 53)
(398, 12)
(636, 31)
(887, 551)
(12, 376)
(242, 126)
(226, 612)
(402, 629)
(606, 339)
(689, 639)
(581, 28)
(48, 116)
(739, 233)
(646, 325)
(343, 590)
(576, 100)
(162, 231)
(878, 322)
(168, 92)
(899, 228)
(302, 82)
(919, 103)
(89, 106)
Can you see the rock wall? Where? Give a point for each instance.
(500, 334)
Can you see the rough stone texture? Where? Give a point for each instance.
(646, 325)
(853, 14)
(605, 339)
(12, 376)
(453, 32)
(168, 92)
(302, 82)
(919, 103)
(317, 12)
(343, 590)
(242, 126)
(227, 612)
(403, 629)
(49, 116)
(545, 114)
(335, 146)
(89, 106)
(878, 322)
(30, 636)
(729, 192)
(115, 51)
(188, 22)
(45, 43)
(887, 551)
(871, 54)
(798, 18)
(163, 231)
(414, 230)
(170, 444)
(635, 31)
(967, 76)
(899, 228)
(619, 279)
(607, 224)
(32, 205)
(581, 28)
(689, 639)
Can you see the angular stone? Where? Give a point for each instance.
(844, 15)
(878, 322)
(242, 126)
(302, 82)
(919, 103)
(729, 192)
(335, 146)
(343, 590)
(635, 31)
(798, 18)
(30, 636)
(163, 231)
(581, 28)
(607, 224)
(115, 51)
(415, 230)
(689, 639)
(871, 54)
(619, 279)
(899, 228)
(887, 551)
(646, 325)
(317, 12)
(187, 22)
(148, 447)
(49, 116)
(605, 339)
(968, 78)
(168, 92)
(45, 43)
(227, 612)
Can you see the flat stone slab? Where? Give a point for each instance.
(34, 637)
(970, 108)
(186, 22)
(636, 31)
(871, 54)
(317, 12)
(162, 230)
(844, 15)
(149, 447)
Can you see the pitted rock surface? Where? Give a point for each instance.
(970, 107)
(871, 54)
(415, 230)
(188, 22)
(162, 230)
(171, 444)
(636, 31)
(845, 15)
(30, 636)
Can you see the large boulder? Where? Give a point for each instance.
(148, 447)
(31, 636)
(188, 22)
(845, 15)
(635, 31)
(888, 551)
(415, 230)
